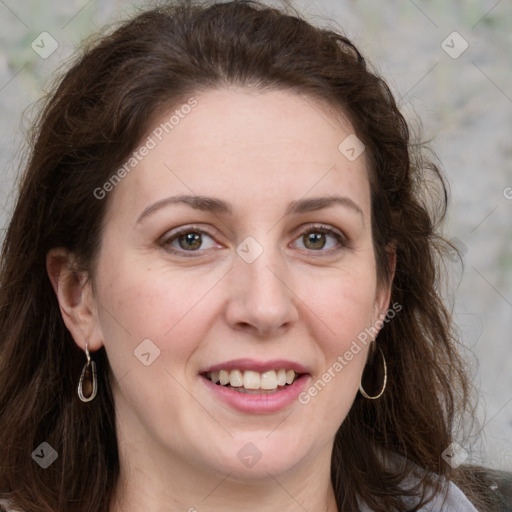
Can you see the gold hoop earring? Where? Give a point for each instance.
(89, 376)
(361, 389)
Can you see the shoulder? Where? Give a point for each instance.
(454, 500)
(449, 499)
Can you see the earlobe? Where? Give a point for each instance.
(75, 298)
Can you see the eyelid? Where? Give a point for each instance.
(341, 238)
(173, 234)
(200, 228)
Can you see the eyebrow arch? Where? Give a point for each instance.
(209, 204)
(218, 206)
(319, 203)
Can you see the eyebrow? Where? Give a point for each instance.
(218, 206)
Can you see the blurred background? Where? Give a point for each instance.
(449, 64)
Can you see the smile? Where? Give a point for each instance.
(253, 382)
(256, 387)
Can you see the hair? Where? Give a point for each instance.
(90, 123)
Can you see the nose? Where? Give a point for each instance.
(261, 297)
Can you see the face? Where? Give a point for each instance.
(238, 248)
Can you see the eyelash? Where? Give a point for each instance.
(342, 241)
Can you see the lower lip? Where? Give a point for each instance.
(258, 403)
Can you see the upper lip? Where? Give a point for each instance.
(257, 366)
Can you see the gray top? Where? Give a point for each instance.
(456, 501)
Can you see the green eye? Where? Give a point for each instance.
(190, 241)
(321, 239)
(317, 240)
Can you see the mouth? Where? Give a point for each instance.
(256, 387)
(252, 382)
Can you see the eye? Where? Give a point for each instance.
(321, 239)
(188, 239)
(191, 239)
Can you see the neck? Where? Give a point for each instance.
(154, 481)
(221, 494)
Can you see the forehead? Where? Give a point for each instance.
(244, 144)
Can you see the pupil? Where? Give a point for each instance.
(317, 240)
(190, 241)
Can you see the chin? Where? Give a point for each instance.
(257, 455)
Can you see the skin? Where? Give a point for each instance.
(300, 301)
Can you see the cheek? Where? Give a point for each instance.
(344, 303)
(174, 313)
(137, 303)
(342, 309)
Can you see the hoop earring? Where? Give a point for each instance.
(89, 373)
(363, 392)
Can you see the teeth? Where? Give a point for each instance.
(224, 377)
(269, 380)
(236, 379)
(251, 380)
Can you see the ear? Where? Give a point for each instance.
(75, 296)
(383, 295)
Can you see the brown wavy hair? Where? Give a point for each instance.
(91, 122)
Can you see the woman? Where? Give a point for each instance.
(220, 282)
